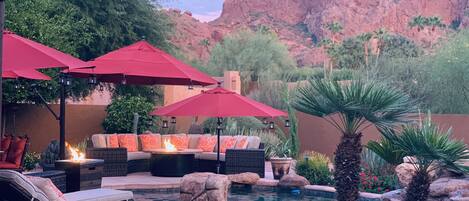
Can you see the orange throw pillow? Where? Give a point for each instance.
(150, 142)
(227, 143)
(207, 143)
(180, 141)
(112, 141)
(242, 143)
(128, 141)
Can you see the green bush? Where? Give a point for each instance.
(315, 167)
(31, 159)
(120, 115)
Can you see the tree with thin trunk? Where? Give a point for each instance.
(435, 22)
(365, 39)
(351, 108)
(430, 148)
(380, 35)
(204, 43)
(335, 28)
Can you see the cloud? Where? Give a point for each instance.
(207, 16)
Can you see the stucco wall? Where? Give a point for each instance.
(318, 135)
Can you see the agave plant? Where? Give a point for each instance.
(351, 108)
(431, 148)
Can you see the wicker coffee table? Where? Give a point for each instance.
(165, 163)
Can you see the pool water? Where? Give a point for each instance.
(236, 194)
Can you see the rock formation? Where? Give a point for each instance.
(300, 23)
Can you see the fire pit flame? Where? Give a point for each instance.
(77, 156)
(168, 146)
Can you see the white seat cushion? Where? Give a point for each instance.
(210, 156)
(99, 194)
(99, 140)
(253, 142)
(21, 182)
(138, 155)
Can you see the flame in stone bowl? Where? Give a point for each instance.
(76, 154)
(168, 146)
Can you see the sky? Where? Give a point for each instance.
(203, 10)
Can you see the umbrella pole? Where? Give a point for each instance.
(219, 122)
(62, 118)
(2, 20)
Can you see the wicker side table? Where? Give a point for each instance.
(58, 177)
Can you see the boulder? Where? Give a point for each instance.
(293, 180)
(443, 187)
(244, 178)
(405, 172)
(395, 195)
(204, 187)
(459, 195)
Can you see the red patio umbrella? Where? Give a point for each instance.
(142, 63)
(21, 57)
(218, 102)
(27, 74)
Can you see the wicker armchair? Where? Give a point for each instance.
(115, 160)
(245, 160)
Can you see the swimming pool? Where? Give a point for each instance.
(236, 194)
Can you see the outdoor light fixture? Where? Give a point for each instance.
(264, 121)
(65, 79)
(17, 86)
(173, 120)
(287, 123)
(124, 81)
(190, 87)
(165, 123)
(271, 125)
(92, 80)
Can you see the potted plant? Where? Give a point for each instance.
(281, 160)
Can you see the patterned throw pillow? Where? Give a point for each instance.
(207, 143)
(150, 141)
(241, 142)
(180, 141)
(227, 143)
(15, 153)
(46, 186)
(128, 141)
(112, 141)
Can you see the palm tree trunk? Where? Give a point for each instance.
(347, 167)
(418, 189)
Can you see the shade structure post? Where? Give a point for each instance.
(219, 122)
(63, 87)
(2, 20)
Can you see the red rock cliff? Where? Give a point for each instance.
(298, 21)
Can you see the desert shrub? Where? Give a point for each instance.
(271, 142)
(120, 115)
(377, 175)
(31, 159)
(315, 167)
(398, 46)
(234, 125)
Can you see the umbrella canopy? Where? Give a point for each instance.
(28, 74)
(218, 102)
(17, 48)
(141, 63)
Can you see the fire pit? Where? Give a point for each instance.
(170, 162)
(82, 174)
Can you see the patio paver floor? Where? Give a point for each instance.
(144, 180)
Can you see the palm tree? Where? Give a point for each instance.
(204, 43)
(431, 148)
(435, 22)
(351, 108)
(335, 28)
(365, 39)
(418, 21)
(380, 35)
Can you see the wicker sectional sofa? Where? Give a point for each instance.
(118, 161)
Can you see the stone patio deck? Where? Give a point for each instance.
(144, 180)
